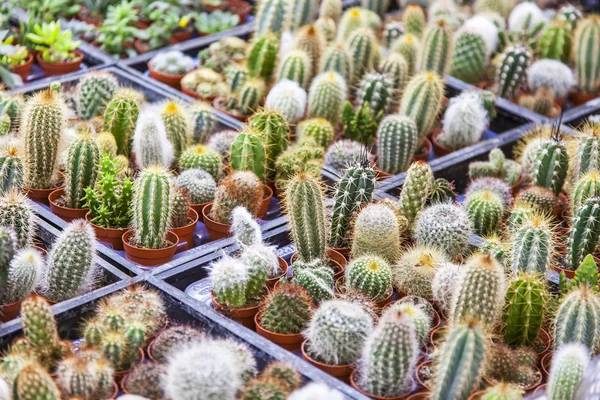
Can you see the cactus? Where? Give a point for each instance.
(41, 129)
(107, 144)
(35, 383)
(586, 186)
(337, 331)
(326, 28)
(356, 18)
(568, 14)
(469, 57)
(422, 101)
(204, 122)
(319, 129)
(533, 243)
(392, 30)
(86, 374)
(203, 158)
(71, 264)
(395, 67)
(172, 339)
(443, 285)
(587, 36)
(485, 209)
(264, 388)
(523, 311)
(120, 119)
(441, 191)
(415, 270)
(583, 233)
(262, 264)
(502, 391)
(585, 275)
(244, 228)
(180, 208)
(289, 99)
(336, 59)
(145, 380)
(16, 212)
(377, 232)
(177, 123)
(460, 362)
(310, 40)
(539, 198)
(576, 319)
(354, 189)
(275, 133)
(94, 92)
(376, 91)
(172, 62)
(363, 51)
(397, 138)
(82, 169)
(389, 356)
(360, 124)
(495, 185)
(286, 309)
(414, 20)
(273, 16)
(207, 367)
(13, 107)
(511, 70)
(555, 42)
(379, 7)
(465, 121)
(296, 66)
(24, 273)
(541, 102)
(417, 185)
(248, 153)
(262, 56)
(326, 96)
(567, 370)
(316, 391)
(480, 291)
(249, 96)
(306, 213)
(587, 156)
(445, 226)
(369, 275)
(346, 152)
(407, 47)
(316, 278)
(241, 188)
(304, 157)
(331, 9)
(285, 373)
(11, 169)
(437, 46)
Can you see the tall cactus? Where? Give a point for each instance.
(437, 45)
(303, 12)
(566, 371)
(407, 46)
(397, 139)
(363, 50)
(326, 97)
(511, 70)
(469, 57)
(273, 16)
(306, 212)
(204, 122)
(16, 212)
(336, 59)
(248, 153)
(583, 233)
(555, 42)
(150, 142)
(533, 244)
(377, 232)
(551, 165)
(35, 383)
(82, 169)
(310, 40)
(376, 91)
(588, 185)
(42, 126)
(395, 67)
(422, 101)
(577, 319)
(587, 156)
(587, 38)
(120, 118)
(275, 133)
(414, 19)
(418, 183)
(94, 91)
(177, 123)
(262, 56)
(523, 311)
(296, 66)
(11, 169)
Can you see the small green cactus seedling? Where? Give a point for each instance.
(377, 232)
(416, 269)
(201, 157)
(17, 213)
(533, 244)
(485, 209)
(369, 275)
(567, 370)
(286, 310)
(523, 311)
(446, 226)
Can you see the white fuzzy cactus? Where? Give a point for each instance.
(521, 13)
(567, 369)
(552, 74)
(464, 121)
(316, 391)
(151, 144)
(485, 27)
(444, 285)
(172, 63)
(244, 227)
(259, 256)
(288, 98)
(229, 279)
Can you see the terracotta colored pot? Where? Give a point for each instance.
(150, 257)
(186, 233)
(540, 389)
(288, 342)
(141, 47)
(561, 101)
(112, 236)
(425, 150)
(181, 36)
(345, 251)
(83, 15)
(579, 98)
(68, 214)
(419, 381)
(119, 375)
(419, 396)
(238, 7)
(435, 336)
(547, 339)
(341, 372)
(215, 229)
(242, 315)
(24, 70)
(554, 111)
(218, 103)
(198, 208)
(171, 80)
(189, 92)
(9, 311)
(39, 195)
(60, 68)
(402, 396)
(568, 273)
(515, 188)
(546, 363)
(440, 149)
(284, 267)
(264, 205)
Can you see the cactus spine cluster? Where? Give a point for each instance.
(533, 244)
(397, 139)
(326, 97)
(120, 118)
(369, 275)
(551, 165)
(241, 188)
(94, 91)
(24, 272)
(584, 232)
(82, 169)
(377, 232)
(16, 212)
(177, 123)
(567, 370)
(296, 66)
(262, 56)
(273, 16)
(363, 50)
(422, 100)
(395, 67)
(438, 43)
(418, 183)
(511, 71)
(286, 310)
(11, 169)
(248, 153)
(445, 226)
(523, 311)
(576, 319)
(469, 57)
(555, 42)
(587, 36)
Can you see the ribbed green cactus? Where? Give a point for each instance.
(511, 70)
(397, 139)
(250, 95)
(16, 212)
(356, 18)
(586, 37)
(469, 57)
(310, 40)
(275, 132)
(422, 101)
(204, 122)
(152, 205)
(417, 185)
(296, 66)
(274, 16)
(94, 91)
(24, 273)
(369, 275)
(445, 226)
(305, 208)
(395, 67)
(567, 370)
(13, 107)
(337, 331)
(331, 9)
(416, 268)
(485, 209)
(304, 12)
(304, 157)
(286, 310)
(523, 311)
(264, 388)
(376, 91)
(42, 127)
(241, 188)
(319, 129)
(203, 158)
(407, 46)
(390, 356)
(336, 59)
(176, 120)
(107, 144)
(326, 97)
(377, 232)
(236, 75)
(248, 153)
(180, 208)
(460, 362)
(538, 198)
(587, 156)
(199, 183)
(86, 374)
(363, 51)
(316, 277)
(502, 391)
(11, 169)
(555, 42)
(262, 56)
(354, 190)
(414, 20)
(533, 243)
(480, 292)
(120, 117)
(577, 319)
(35, 383)
(81, 170)
(379, 7)
(588, 185)
(437, 46)
(583, 233)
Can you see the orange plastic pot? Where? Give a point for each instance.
(264, 205)
(60, 68)
(283, 265)
(66, 213)
(112, 236)
(341, 372)
(24, 70)
(215, 229)
(39, 195)
(168, 79)
(289, 342)
(186, 233)
(150, 257)
(241, 315)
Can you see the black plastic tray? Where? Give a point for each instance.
(579, 115)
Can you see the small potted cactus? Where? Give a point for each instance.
(586, 66)
(370, 276)
(170, 67)
(169, 340)
(183, 217)
(200, 185)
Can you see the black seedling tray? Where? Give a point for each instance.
(579, 115)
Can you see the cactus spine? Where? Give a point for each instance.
(555, 42)
(204, 122)
(377, 232)
(437, 46)
(286, 310)
(577, 319)
(11, 170)
(551, 165)
(395, 67)
(273, 16)
(337, 59)
(422, 101)
(533, 244)
(485, 209)
(369, 275)
(296, 66)
(82, 169)
(587, 38)
(418, 183)
(177, 123)
(523, 310)
(414, 19)
(469, 57)
(583, 233)
(326, 97)
(376, 91)
(511, 71)
(120, 118)
(16, 212)
(150, 142)
(567, 370)
(262, 56)
(248, 153)
(275, 133)
(587, 186)
(304, 12)
(362, 47)
(318, 129)
(94, 92)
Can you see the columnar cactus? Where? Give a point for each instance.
(11, 169)
(533, 244)
(204, 122)
(379, 7)
(273, 16)
(250, 95)
(71, 264)
(407, 47)
(241, 188)
(390, 355)
(485, 209)
(376, 91)
(286, 310)
(437, 46)
(24, 273)
(306, 213)
(16, 212)
(336, 59)
(460, 362)
(42, 125)
(535, 197)
(310, 40)
(203, 158)
(480, 292)
(94, 91)
(583, 233)
(262, 56)
(395, 67)
(86, 374)
(576, 319)
(588, 185)
(511, 70)
(377, 232)
(34, 383)
(180, 208)
(414, 20)
(356, 18)
(417, 185)
(319, 129)
(81, 170)
(296, 66)
(248, 153)
(567, 370)
(422, 101)
(331, 9)
(369, 275)
(469, 57)
(416, 268)
(397, 139)
(177, 123)
(304, 12)
(327, 29)
(363, 50)
(13, 107)
(120, 117)
(199, 183)
(326, 97)
(337, 331)
(229, 279)
(523, 311)
(150, 142)
(446, 226)
(465, 121)
(587, 157)
(555, 42)
(587, 36)
(275, 132)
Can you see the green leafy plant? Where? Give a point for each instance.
(54, 45)
(50, 10)
(8, 52)
(216, 21)
(165, 21)
(360, 124)
(118, 31)
(13, 54)
(97, 9)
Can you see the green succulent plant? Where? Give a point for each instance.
(54, 45)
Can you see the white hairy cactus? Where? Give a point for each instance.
(464, 121)
(172, 63)
(244, 227)
(522, 12)
(485, 27)
(289, 98)
(259, 256)
(151, 144)
(229, 279)
(444, 285)
(552, 74)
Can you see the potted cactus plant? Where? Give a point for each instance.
(58, 52)
(183, 217)
(170, 67)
